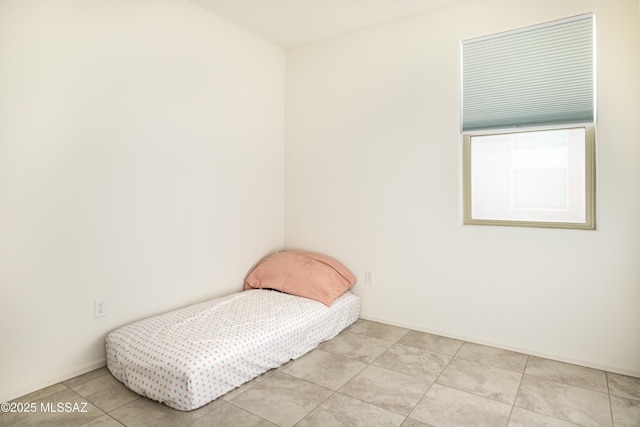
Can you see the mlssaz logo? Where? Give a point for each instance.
(63, 407)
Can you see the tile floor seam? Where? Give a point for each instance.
(400, 373)
(459, 348)
(520, 384)
(430, 385)
(328, 352)
(89, 401)
(108, 415)
(402, 336)
(472, 395)
(372, 404)
(606, 374)
(379, 356)
(407, 330)
(361, 401)
(425, 349)
(484, 397)
(611, 410)
(526, 364)
(371, 336)
(372, 362)
(203, 415)
(102, 411)
(235, 406)
(487, 364)
(569, 363)
(548, 415)
(624, 397)
(309, 382)
(511, 411)
(566, 384)
(619, 395)
(96, 405)
(475, 395)
(415, 348)
(531, 410)
(214, 409)
(42, 397)
(119, 422)
(513, 405)
(315, 407)
(365, 365)
(86, 380)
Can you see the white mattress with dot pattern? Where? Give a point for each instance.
(191, 356)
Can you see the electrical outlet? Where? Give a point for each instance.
(99, 308)
(368, 277)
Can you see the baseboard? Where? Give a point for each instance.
(533, 352)
(46, 382)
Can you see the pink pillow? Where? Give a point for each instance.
(306, 274)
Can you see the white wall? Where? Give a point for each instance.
(140, 162)
(372, 175)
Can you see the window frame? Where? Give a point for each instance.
(589, 181)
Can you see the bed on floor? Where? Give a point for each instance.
(191, 356)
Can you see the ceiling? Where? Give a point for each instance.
(291, 23)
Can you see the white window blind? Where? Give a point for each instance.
(536, 76)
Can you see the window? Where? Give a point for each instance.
(537, 178)
(528, 124)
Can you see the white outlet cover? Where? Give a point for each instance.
(368, 277)
(99, 308)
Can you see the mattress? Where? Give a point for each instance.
(191, 356)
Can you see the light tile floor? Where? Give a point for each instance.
(370, 375)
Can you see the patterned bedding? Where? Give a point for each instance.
(189, 357)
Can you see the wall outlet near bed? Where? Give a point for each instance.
(368, 277)
(99, 308)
